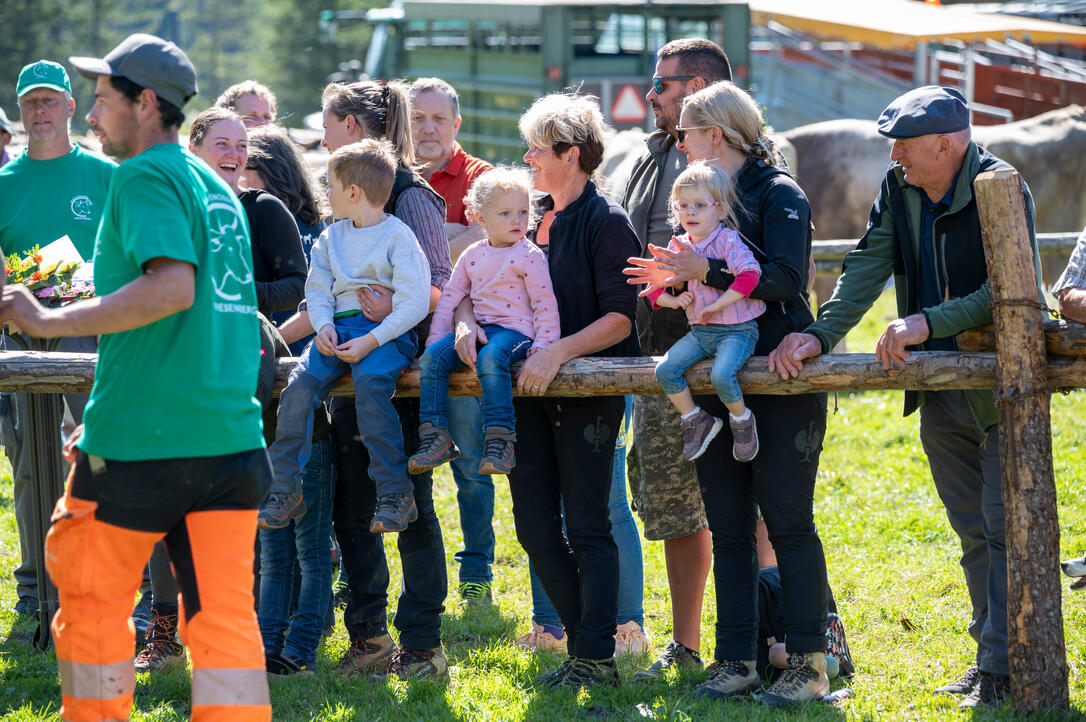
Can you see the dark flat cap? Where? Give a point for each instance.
(148, 61)
(923, 111)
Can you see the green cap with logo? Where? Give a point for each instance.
(43, 74)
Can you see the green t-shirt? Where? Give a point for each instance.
(42, 200)
(182, 386)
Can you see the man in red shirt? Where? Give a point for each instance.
(435, 120)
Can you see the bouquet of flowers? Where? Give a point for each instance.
(51, 283)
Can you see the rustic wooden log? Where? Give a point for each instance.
(1062, 338)
(1038, 659)
(67, 372)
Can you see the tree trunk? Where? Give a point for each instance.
(1061, 338)
(1038, 659)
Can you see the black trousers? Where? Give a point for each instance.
(564, 449)
(781, 481)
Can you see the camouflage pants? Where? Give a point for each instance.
(666, 493)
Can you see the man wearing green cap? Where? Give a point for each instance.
(53, 189)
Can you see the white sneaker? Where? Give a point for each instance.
(632, 639)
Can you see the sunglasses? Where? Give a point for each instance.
(658, 81)
(680, 133)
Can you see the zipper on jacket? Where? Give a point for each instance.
(940, 251)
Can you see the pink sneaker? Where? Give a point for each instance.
(541, 639)
(632, 639)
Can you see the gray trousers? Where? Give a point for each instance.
(965, 466)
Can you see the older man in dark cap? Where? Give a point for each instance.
(924, 231)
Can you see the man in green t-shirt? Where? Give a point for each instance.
(173, 447)
(53, 189)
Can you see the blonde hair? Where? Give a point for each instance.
(497, 180)
(711, 180)
(560, 121)
(230, 97)
(383, 111)
(369, 164)
(726, 106)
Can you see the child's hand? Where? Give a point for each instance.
(685, 299)
(668, 301)
(356, 349)
(327, 340)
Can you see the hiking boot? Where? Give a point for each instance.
(365, 655)
(729, 679)
(837, 645)
(542, 638)
(990, 691)
(674, 655)
(163, 650)
(279, 509)
(963, 685)
(587, 672)
(744, 437)
(804, 680)
(476, 594)
(393, 513)
(698, 431)
(631, 638)
(498, 456)
(415, 664)
(553, 679)
(435, 448)
(284, 664)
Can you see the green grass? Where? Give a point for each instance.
(893, 563)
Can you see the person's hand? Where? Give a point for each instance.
(356, 349)
(469, 336)
(683, 264)
(908, 331)
(683, 300)
(707, 312)
(327, 340)
(376, 301)
(70, 450)
(539, 370)
(795, 348)
(645, 271)
(23, 312)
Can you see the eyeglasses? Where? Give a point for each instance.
(658, 81)
(680, 133)
(696, 206)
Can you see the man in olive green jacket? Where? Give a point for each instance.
(924, 230)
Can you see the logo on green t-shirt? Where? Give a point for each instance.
(82, 208)
(233, 267)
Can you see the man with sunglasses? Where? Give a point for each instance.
(666, 491)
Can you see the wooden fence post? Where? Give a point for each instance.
(1038, 659)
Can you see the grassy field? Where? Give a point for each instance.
(892, 562)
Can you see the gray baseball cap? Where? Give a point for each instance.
(149, 61)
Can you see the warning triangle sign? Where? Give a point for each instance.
(628, 107)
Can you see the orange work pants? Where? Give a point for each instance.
(97, 569)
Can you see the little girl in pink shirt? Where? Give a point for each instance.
(722, 325)
(509, 283)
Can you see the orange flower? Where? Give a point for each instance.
(37, 258)
(36, 276)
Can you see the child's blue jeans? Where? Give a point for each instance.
(378, 424)
(730, 345)
(504, 347)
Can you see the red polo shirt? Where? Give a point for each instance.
(453, 182)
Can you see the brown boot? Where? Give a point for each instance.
(163, 650)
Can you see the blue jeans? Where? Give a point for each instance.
(474, 491)
(503, 348)
(378, 424)
(730, 345)
(631, 574)
(307, 540)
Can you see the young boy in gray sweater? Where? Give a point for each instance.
(365, 247)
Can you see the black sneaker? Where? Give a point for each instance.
(498, 456)
(279, 509)
(837, 645)
(553, 679)
(962, 685)
(394, 512)
(587, 672)
(698, 432)
(991, 691)
(284, 664)
(674, 655)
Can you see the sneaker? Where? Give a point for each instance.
(587, 672)
(631, 638)
(284, 664)
(394, 512)
(435, 448)
(476, 594)
(963, 685)
(990, 691)
(674, 655)
(698, 431)
(543, 638)
(837, 645)
(342, 593)
(729, 679)
(163, 651)
(498, 456)
(804, 680)
(744, 437)
(365, 655)
(415, 664)
(553, 679)
(279, 509)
